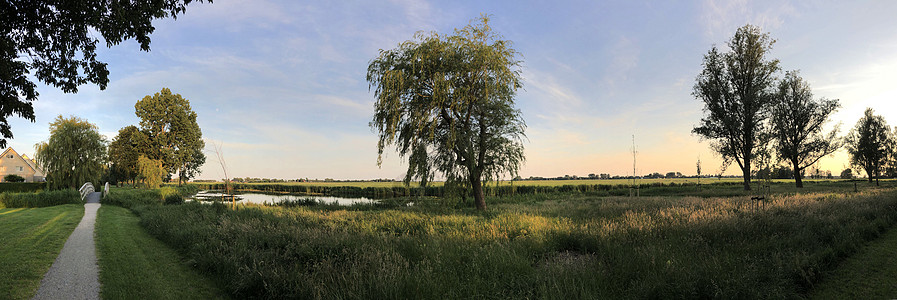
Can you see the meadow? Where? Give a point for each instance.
(30, 240)
(578, 245)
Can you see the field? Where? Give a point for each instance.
(134, 265)
(702, 244)
(30, 240)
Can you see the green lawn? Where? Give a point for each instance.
(30, 240)
(870, 274)
(134, 265)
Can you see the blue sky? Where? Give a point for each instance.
(281, 84)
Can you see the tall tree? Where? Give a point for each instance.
(172, 134)
(74, 154)
(447, 104)
(124, 150)
(736, 88)
(57, 41)
(870, 144)
(797, 122)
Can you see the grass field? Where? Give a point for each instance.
(559, 246)
(30, 240)
(134, 265)
(870, 274)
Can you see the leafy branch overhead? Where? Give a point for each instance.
(56, 43)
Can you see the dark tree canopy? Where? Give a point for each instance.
(447, 104)
(55, 41)
(736, 88)
(870, 144)
(124, 151)
(172, 134)
(797, 122)
(74, 154)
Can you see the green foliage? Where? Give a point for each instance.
(151, 171)
(134, 265)
(797, 122)
(847, 174)
(447, 104)
(870, 144)
(22, 187)
(74, 154)
(30, 240)
(129, 198)
(562, 247)
(60, 39)
(173, 199)
(124, 151)
(172, 134)
(40, 199)
(13, 178)
(736, 88)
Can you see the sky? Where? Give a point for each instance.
(280, 85)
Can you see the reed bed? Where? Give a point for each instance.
(557, 246)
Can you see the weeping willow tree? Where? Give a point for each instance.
(74, 154)
(446, 102)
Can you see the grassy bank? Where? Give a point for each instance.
(557, 246)
(134, 265)
(30, 240)
(870, 274)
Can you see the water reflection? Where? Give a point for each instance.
(259, 198)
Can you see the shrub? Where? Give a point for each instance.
(40, 199)
(21, 187)
(13, 178)
(129, 198)
(174, 199)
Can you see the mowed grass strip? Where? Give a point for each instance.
(30, 240)
(870, 274)
(134, 265)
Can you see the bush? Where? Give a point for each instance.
(174, 199)
(129, 198)
(13, 178)
(40, 199)
(22, 187)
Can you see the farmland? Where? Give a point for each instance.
(702, 243)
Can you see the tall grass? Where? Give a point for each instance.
(573, 246)
(39, 199)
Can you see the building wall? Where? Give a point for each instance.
(15, 165)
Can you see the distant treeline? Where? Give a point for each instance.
(442, 191)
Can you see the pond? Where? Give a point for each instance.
(260, 198)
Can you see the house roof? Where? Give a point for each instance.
(28, 162)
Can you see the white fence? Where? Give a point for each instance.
(85, 190)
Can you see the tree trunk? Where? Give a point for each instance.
(797, 180)
(747, 177)
(478, 195)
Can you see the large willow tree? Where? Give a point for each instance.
(446, 102)
(74, 154)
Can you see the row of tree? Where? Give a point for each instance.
(754, 118)
(168, 141)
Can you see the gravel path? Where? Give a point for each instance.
(74, 274)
